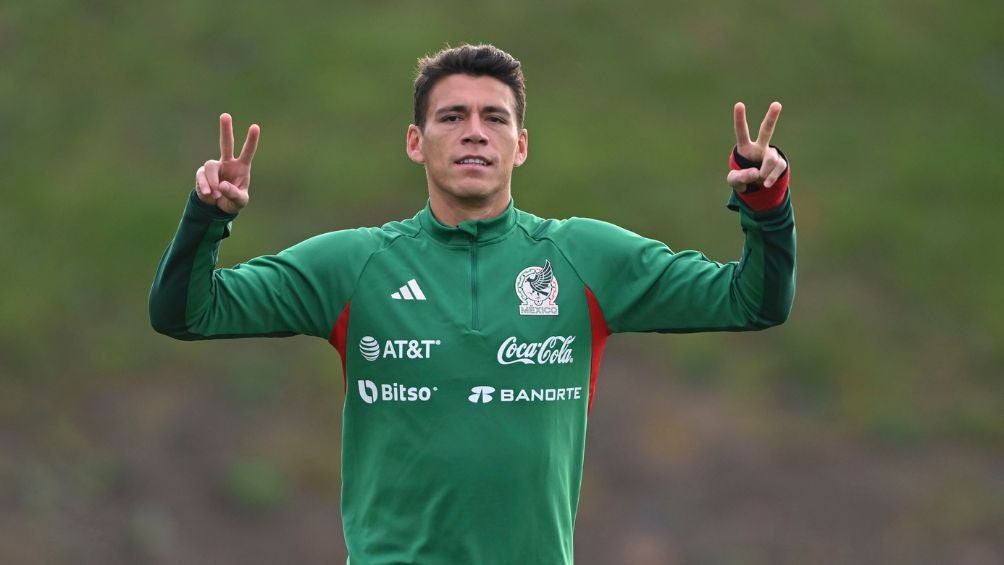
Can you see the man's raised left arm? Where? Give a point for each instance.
(642, 285)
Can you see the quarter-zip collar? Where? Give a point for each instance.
(480, 231)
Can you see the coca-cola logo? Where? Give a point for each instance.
(556, 349)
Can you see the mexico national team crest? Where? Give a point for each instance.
(537, 287)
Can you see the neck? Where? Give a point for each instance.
(450, 210)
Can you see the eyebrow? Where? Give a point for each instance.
(464, 109)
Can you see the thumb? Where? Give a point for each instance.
(738, 179)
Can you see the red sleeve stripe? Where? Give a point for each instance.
(339, 334)
(600, 332)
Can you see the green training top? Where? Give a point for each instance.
(470, 356)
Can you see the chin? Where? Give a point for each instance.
(473, 191)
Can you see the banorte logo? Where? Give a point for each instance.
(371, 350)
(481, 394)
(556, 349)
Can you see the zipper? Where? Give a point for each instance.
(475, 323)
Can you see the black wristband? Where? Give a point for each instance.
(743, 162)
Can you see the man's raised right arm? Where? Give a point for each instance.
(300, 290)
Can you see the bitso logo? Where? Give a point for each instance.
(371, 350)
(368, 391)
(393, 392)
(481, 394)
(537, 288)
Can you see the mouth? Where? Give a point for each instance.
(473, 160)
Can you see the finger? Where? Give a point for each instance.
(228, 189)
(770, 161)
(201, 182)
(237, 196)
(742, 130)
(212, 170)
(226, 137)
(767, 126)
(250, 144)
(733, 180)
(775, 174)
(738, 179)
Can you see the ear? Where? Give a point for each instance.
(521, 148)
(413, 144)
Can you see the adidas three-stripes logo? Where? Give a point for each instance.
(410, 291)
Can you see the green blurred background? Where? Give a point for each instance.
(868, 429)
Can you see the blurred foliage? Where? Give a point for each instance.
(254, 484)
(120, 445)
(892, 123)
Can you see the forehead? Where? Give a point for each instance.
(472, 91)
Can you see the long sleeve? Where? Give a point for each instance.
(300, 290)
(642, 285)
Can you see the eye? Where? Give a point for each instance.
(496, 119)
(450, 118)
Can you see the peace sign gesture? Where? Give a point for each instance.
(772, 164)
(225, 182)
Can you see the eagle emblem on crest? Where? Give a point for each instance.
(537, 289)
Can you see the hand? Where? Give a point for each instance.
(773, 165)
(225, 182)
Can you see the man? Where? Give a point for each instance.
(471, 334)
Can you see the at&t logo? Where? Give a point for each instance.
(371, 349)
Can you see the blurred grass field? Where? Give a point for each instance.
(892, 121)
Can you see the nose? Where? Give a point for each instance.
(475, 131)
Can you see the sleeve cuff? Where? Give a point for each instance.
(756, 196)
(210, 210)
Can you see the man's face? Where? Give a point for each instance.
(471, 140)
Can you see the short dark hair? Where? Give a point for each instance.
(474, 60)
